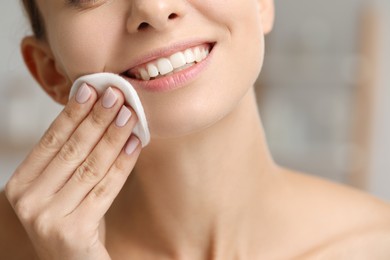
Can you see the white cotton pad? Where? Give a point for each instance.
(101, 81)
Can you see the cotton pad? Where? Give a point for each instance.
(101, 81)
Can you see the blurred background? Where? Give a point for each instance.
(323, 93)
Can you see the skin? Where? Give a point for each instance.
(206, 187)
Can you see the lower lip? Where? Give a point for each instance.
(174, 81)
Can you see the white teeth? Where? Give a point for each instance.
(164, 66)
(178, 60)
(204, 53)
(198, 55)
(190, 57)
(144, 74)
(152, 70)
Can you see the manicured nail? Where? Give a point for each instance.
(109, 98)
(83, 94)
(123, 116)
(131, 145)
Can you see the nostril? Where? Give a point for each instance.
(172, 16)
(143, 26)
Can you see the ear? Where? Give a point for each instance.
(267, 10)
(40, 61)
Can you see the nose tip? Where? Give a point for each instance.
(152, 14)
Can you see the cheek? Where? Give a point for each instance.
(243, 32)
(81, 44)
(249, 37)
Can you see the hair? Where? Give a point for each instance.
(35, 17)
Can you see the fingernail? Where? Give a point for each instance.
(109, 98)
(123, 116)
(83, 94)
(131, 145)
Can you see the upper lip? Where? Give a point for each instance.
(165, 52)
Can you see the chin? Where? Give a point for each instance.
(172, 122)
(180, 124)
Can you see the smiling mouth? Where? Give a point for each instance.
(165, 66)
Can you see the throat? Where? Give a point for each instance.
(188, 221)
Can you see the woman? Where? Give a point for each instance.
(206, 187)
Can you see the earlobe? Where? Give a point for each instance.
(267, 10)
(42, 66)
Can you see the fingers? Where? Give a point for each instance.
(81, 143)
(98, 163)
(100, 198)
(53, 139)
(59, 131)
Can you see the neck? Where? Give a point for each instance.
(203, 193)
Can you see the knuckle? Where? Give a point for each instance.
(87, 171)
(98, 118)
(70, 151)
(66, 237)
(70, 112)
(9, 191)
(50, 140)
(42, 224)
(24, 210)
(121, 166)
(13, 186)
(111, 139)
(63, 237)
(100, 191)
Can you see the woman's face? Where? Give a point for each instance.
(114, 35)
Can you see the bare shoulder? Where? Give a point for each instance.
(340, 221)
(372, 244)
(14, 242)
(340, 203)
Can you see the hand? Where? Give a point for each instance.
(65, 186)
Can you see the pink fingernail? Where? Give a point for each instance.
(123, 116)
(109, 98)
(131, 145)
(83, 94)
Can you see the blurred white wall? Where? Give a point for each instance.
(310, 77)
